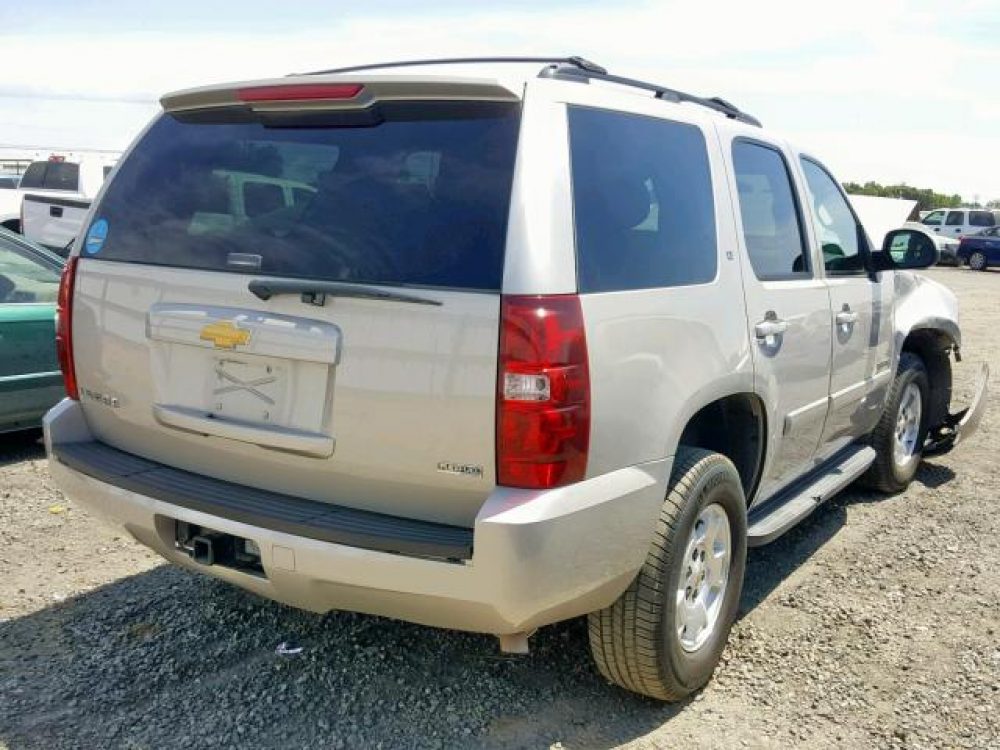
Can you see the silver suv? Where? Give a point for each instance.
(514, 347)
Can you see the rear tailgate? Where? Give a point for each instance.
(53, 221)
(308, 306)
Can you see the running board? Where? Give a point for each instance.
(781, 512)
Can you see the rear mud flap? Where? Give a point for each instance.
(961, 425)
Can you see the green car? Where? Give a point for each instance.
(30, 381)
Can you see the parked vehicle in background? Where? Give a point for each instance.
(68, 176)
(526, 350)
(30, 381)
(981, 250)
(957, 222)
(10, 200)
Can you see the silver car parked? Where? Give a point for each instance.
(526, 345)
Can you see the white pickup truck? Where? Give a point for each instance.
(54, 195)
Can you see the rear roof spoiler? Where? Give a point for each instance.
(373, 88)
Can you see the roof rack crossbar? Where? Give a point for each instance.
(661, 92)
(579, 63)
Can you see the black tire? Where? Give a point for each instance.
(885, 473)
(977, 261)
(635, 641)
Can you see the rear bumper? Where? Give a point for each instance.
(537, 557)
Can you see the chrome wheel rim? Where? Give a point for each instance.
(907, 425)
(977, 261)
(704, 577)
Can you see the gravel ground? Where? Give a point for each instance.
(875, 624)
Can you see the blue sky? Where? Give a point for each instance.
(890, 90)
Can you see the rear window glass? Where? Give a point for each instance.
(642, 199)
(418, 197)
(34, 175)
(52, 175)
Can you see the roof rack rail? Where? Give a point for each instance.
(578, 63)
(573, 68)
(576, 73)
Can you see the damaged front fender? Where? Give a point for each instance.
(926, 321)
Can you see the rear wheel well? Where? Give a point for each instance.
(933, 347)
(734, 426)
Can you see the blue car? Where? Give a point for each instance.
(980, 250)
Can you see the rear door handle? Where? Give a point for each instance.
(845, 317)
(771, 325)
(55, 211)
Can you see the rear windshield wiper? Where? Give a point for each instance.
(315, 292)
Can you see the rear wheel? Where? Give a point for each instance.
(899, 437)
(977, 261)
(664, 635)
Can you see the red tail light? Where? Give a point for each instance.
(64, 328)
(298, 92)
(543, 396)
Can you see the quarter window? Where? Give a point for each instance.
(772, 226)
(839, 234)
(642, 199)
(981, 219)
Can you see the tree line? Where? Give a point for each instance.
(926, 198)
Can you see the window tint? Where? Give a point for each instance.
(981, 219)
(23, 278)
(771, 223)
(955, 218)
(8, 182)
(52, 175)
(642, 199)
(34, 175)
(840, 236)
(934, 218)
(333, 201)
(105, 171)
(62, 175)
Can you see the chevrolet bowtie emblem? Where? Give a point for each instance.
(225, 335)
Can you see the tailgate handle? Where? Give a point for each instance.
(280, 438)
(315, 292)
(55, 211)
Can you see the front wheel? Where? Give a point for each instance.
(977, 261)
(664, 635)
(898, 438)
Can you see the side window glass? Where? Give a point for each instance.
(838, 232)
(642, 200)
(981, 219)
(772, 225)
(23, 279)
(955, 218)
(934, 218)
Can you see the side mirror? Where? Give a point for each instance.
(909, 248)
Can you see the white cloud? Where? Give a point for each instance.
(886, 69)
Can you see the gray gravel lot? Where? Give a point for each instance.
(875, 624)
